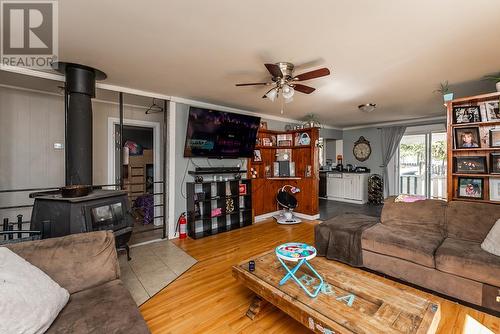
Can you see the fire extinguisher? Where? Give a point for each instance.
(181, 226)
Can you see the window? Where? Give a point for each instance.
(422, 164)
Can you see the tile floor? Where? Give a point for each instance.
(152, 267)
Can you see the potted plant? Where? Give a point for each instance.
(495, 78)
(311, 121)
(444, 90)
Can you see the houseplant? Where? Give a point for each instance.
(495, 78)
(444, 90)
(311, 121)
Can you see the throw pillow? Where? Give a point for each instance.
(491, 243)
(29, 299)
(409, 198)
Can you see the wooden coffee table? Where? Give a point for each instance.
(377, 306)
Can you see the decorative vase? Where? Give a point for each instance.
(498, 86)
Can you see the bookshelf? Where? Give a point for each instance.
(205, 199)
(265, 183)
(486, 123)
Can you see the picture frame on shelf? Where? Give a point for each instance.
(494, 163)
(492, 111)
(266, 142)
(495, 189)
(470, 165)
(484, 133)
(466, 114)
(467, 138)
(495, 137)
(263, 125)
(257, 156)
(470, 188)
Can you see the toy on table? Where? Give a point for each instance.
(301, 253)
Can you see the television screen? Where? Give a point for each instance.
(218, 134)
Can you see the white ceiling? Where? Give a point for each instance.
(393, 53)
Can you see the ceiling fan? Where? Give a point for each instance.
(285, 82)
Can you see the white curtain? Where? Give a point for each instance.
(390, 138)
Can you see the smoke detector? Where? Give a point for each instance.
(367, 107)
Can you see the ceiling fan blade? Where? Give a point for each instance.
(274, 70)
(312, 74)
(303, 88)
(253, 84)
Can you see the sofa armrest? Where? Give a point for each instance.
(76, 262)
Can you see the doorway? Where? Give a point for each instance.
(422, 165)
(141, 172)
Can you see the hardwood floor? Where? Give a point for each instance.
(207, 299)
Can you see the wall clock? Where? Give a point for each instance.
(362, 149)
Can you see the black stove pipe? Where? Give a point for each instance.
(80, 89)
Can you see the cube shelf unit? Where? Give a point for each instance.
(484, 126)
(203, 197)
(265, 187)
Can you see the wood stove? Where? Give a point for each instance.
(100, 210)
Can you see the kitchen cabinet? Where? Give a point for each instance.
(348, 187)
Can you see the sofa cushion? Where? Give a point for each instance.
(107, 308)
(469, 220)
(466, 259)
(428, 215)
(76, 262)
(409, 244)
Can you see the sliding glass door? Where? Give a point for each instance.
(422, 164)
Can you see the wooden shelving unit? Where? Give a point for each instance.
(265, 188)
(135, 174)
(452, 184)
(204, 197)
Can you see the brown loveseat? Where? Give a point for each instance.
(436, 245)
(86, 265)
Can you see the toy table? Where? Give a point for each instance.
(301, 253)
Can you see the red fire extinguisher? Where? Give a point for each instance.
(181, 226)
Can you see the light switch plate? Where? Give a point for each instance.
(58, 146)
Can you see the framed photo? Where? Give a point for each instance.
(494, 189)
(469, 187)
(257, 157)
(470, 165)
(466, 114)
(492, 111)
(266, 142)
(467, 137)
(494, 163)
(495, 138)
(263, 125)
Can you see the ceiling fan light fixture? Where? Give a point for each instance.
(288, 91)
(367, 107)
(288, 100)
(272, 94)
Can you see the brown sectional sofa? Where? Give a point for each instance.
(86, 265)
(436, 245)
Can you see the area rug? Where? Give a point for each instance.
(153, 266)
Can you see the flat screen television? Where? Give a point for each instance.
(219, 134)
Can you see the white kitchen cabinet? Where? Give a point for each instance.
(348, 187)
